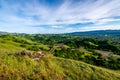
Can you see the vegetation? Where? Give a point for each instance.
(16, 67)
(65, 62)
(89, 44)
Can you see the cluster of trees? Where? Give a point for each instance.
(90, 57)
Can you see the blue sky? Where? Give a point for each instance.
(58, 16)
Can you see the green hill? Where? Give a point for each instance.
(12, 43)
(16, 67)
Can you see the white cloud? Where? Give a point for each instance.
(69, 12)
(58, 27)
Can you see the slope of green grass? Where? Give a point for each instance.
(10, 43)
(77, 70)
(7, 46)
(17, 67)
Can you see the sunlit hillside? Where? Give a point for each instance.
(68, 61)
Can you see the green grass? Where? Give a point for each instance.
(78, 70)
(9, 46)
(17, 67)
(16, 44)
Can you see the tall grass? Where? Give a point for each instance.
(17, 67)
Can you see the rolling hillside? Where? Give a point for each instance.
(14, 66)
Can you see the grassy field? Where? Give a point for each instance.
(17, 67)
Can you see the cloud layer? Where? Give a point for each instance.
(58, 16)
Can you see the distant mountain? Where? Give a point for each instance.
(99, 32)
(86, 33)
(2, 33)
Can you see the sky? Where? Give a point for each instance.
(59, 16)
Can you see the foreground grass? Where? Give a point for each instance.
(17, 67)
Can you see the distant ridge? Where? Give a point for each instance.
(2, 33)
(98, 32)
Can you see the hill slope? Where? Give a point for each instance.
(12, 43)
(16, 67)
